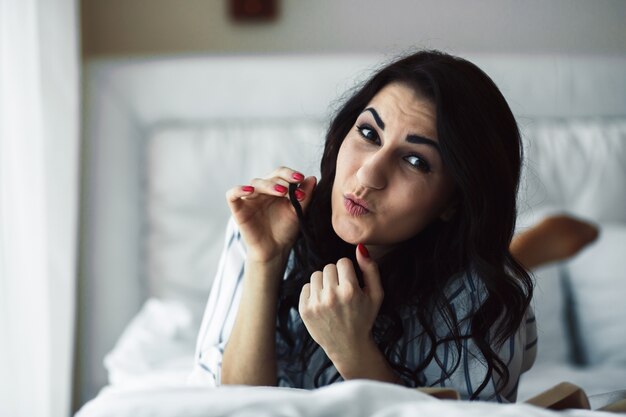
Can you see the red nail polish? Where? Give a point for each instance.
(280, 188)
(247, 188)
(298, 176)
(299, 194)
(363, 250)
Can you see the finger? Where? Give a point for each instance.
(346, 273)
(305, 190)
(316, 283)
(236, 193)
(287, 174)
(371, 275)
(329, 280)
(274, 186)
(305, 294)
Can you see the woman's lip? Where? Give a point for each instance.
(354, 206)
(358, 201)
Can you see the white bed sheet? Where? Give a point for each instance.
(155, 349)
(346, 399)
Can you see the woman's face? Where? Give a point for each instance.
(390, 181)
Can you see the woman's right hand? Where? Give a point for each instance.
(267, 221)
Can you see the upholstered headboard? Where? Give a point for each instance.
(164, 138)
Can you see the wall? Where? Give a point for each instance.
(147, 27)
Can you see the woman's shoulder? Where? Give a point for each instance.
(467, 292)
(465, 286)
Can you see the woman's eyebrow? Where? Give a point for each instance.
(377, 118)
(421, 140)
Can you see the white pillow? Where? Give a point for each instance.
(188, 170)
(553, 342)
(598, 285)
(575, 166)
(578, 165)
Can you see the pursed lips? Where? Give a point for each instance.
(355, 206)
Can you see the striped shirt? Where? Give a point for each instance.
(464, 295)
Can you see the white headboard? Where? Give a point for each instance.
(127, 101)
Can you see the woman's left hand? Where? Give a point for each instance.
(339, 314)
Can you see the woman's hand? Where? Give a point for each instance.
(339, 314)
(266, 219)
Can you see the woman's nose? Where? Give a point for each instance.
(373, 172)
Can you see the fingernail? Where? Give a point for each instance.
(247, 188)
(363, 250)
(299, 194)
(280, 188)
(298, 176)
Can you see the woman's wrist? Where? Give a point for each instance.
(365, 361)
(267, 274)
(275, 258)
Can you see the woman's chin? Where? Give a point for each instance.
(349, 232)
(350, 238)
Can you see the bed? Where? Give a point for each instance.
(165, 137)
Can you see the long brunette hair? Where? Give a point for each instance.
(481, 149)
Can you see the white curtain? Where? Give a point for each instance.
(39, 130)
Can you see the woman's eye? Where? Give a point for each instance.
(418, 162)
(368, 133)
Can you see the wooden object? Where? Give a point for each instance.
(562, 396)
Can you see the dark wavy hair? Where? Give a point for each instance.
(481, 148)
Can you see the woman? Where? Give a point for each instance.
(397, 268)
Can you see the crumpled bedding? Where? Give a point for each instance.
(346, 399)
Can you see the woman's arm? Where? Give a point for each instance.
(231, 326)
(268, 225)
(250, 355)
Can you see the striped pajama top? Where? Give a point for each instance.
(464, 295)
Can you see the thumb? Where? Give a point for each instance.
(369, 268)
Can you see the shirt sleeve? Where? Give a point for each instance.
(221, 310)
(465, 370)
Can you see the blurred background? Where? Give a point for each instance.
(54, 54)
(152, 27)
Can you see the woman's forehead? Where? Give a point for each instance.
(402, 92)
